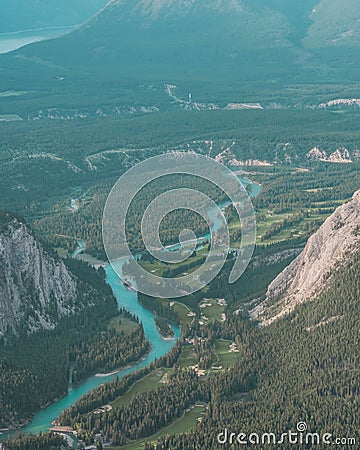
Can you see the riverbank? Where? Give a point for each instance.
(115, 372)
(164, 328)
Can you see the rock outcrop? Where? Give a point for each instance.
(36, 287)
(327, 250)
(341, 155)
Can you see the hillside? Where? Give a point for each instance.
(169, 40)
(309, 274)
(36, 288)
(221, 51)
(334, 24)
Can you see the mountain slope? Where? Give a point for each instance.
(308, 275)
(170, 40)
(334, 23)
(36, 288)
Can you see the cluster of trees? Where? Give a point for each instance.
(164, 327)
(107, 351)
(187, 267)
(46, 441)
(267, 263)
(159, 308)
(284, 191)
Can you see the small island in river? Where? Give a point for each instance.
(164, 328)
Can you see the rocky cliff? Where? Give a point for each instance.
(326, 251)
(36, 287)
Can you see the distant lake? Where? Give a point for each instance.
(17, 39)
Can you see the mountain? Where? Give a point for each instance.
(169, 38)
(36, 288)
(310, 273)
(212, 48)
(18, 15)
(174, 40)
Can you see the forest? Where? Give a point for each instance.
(46, 441)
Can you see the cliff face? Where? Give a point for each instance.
(36, 288)
(308, 274)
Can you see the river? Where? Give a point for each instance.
(126, 299)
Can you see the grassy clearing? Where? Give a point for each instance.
(149, 383)
(214, 311)
(318, 212)
(121, 323)
(333, 203)
(187, 357)
(183, 312)
(13, 93)
(182, 425)
(62, 252)
(157, 267)
(226, 359)
(186, 423)
(181, 309)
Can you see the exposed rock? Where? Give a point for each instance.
(154, 9)
(341, 155)
(341, 102)
(227, 157)
(316, 154)
(356, 154)
(237, 106)
(285, 153)
(36, 287)
(309, 273)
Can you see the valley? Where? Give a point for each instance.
(265, 90)
(297, 194)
